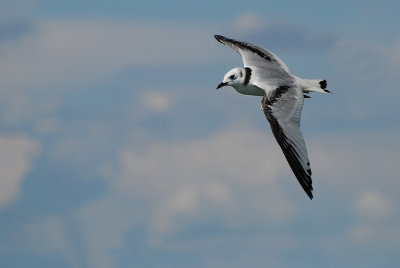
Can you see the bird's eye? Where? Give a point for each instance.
(232, 77)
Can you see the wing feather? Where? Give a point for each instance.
(255, 56)
(282, 108)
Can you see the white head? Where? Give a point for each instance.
(234, 78)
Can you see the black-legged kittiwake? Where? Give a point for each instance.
(264, 74)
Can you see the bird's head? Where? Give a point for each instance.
(234, 77)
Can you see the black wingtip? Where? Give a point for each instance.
(219, 37)
(310, 195)
(307, 189)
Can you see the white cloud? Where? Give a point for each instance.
(368, 74)
(369, 236)
(236, 178)
(356, 162)
(214, 156)
(50, 235)
(156, 101)
(59, 55)
(82, 50)
(102, 226)
(229, 178)
(248, 22)
(16, 154)
(183, 202)
(360, 59)
(371, 204)
(280, 33)
(236, 171)
(187, 205)
(230, 173)
(85, 238)
(47, 125)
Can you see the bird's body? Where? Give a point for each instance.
(264, 74)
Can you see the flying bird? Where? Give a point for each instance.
(264, 74)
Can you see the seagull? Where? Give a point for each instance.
(264, 74)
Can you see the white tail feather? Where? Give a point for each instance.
(312, 85)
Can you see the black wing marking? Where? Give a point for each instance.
(253, 55)
(282, 107)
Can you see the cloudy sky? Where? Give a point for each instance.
(117, 151)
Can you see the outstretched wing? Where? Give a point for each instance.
(255, 56)
(282, 108)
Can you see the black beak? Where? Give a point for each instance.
(221, 85)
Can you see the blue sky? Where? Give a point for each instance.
(117, 151)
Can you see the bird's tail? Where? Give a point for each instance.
(312, 85)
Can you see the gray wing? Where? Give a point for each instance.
(282, 108)
(255, 56)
